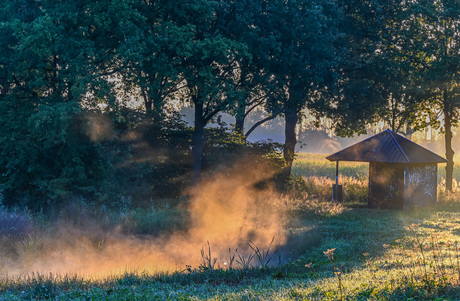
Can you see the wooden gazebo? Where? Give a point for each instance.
(402, 174)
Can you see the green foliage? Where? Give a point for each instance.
(432, 42)
(303, 61)
(224, 148)
(73, 149)
(45, 156)
(36, 155)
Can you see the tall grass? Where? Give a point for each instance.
(319, 176)
(377, 254)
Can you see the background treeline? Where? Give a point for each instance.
(90, 90)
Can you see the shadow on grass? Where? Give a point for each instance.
(357, 234)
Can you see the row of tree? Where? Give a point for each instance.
(355, 62)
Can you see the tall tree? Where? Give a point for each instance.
(375, 78)
(303, 61)
(434, 42)
(50, 72)
(252, 78)
(207, 64)
(151, 45)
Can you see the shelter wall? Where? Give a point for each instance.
(386, 185)
(420, 181)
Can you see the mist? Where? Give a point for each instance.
(226, 213)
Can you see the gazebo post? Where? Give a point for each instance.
(335, 190)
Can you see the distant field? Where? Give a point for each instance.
(307, 164)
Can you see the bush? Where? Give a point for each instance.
(46, 157)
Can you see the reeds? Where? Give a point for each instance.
(208, 261)
(255, 258)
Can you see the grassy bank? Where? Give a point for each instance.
(330, 253)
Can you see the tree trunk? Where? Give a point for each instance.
(448, 142)
(198, 143)
(393, 114)
(239, 124)
(153, 108)
(147, 102)
(290, 142)
(290, 138)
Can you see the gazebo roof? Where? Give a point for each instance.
(387, 147)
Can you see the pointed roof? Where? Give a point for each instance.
(387, 147)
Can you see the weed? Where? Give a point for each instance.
(337, 271)
(27, 249)
(263, 257)
(208, 262)
(231, 259)
(245, 261)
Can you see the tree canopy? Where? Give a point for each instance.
(87, 88)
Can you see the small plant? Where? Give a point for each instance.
(26, 246)
(97, 245)
(263, 257)
(208, 262)
(297, 187)
(231, 259)
(245, 261)
(337, 271)
(27, 249)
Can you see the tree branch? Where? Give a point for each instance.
(259, 123)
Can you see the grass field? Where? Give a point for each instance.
(331, 252)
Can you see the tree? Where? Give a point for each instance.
(434, 46)
(374, 80)
(151, 45)
(207, 63)
(252, 80)
(51, 72)
(303, 59)
(401, 67)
